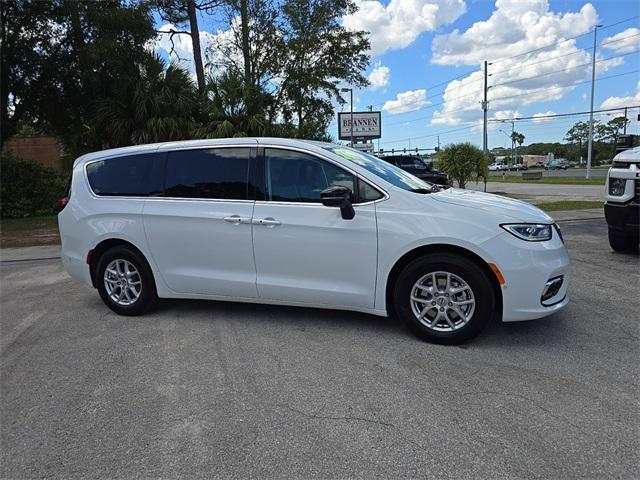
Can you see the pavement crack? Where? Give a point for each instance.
(337, 417)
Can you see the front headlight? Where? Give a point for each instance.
(531, 232)
(616, 186)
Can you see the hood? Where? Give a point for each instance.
(496, 204)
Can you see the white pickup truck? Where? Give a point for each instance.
(622, 207)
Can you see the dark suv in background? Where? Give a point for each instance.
(417, 167)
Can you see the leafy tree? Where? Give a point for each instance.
(463, 162)
(82, 52)
(579, 134)
(298, 54)
(320, 53)
(609, 132)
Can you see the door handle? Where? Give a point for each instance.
(237, 219)
(267, 222)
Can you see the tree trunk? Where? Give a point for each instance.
(246, 54)
(195, 41)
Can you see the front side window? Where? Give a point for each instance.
(219, 173)
(298, 177)
(130, 175)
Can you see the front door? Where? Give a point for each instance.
(305, 252)
(199, 233)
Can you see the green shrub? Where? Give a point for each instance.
(28, 189)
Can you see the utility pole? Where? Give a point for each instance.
(350, 90)
(438, 142)
(484, 109)
(593, 88)
(513, 143)
(625, 121)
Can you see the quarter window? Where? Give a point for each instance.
(298, 177)
(209, 173)
(130, 175)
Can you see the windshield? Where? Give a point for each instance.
(392, 174)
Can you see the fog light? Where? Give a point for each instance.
(616, 186)
(551, 288)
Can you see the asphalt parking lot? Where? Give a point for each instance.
(205, 389)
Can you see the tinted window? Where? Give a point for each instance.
(298, 177)
(131, 175)
(211, 173)
(411, 163)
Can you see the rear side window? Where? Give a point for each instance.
(209, 173)
(131, 175)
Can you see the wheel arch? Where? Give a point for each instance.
(104, 246)
(441, 248)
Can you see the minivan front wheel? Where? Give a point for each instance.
(124, 281)
(444, 298)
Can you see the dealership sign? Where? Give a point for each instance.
(366, 125)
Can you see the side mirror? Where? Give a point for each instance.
(340, 197)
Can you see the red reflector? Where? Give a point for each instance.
(89, 255)
(63, 202)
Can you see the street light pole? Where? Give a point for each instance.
(593, 87)
(350, 90)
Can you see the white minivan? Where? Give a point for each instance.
(304, 223)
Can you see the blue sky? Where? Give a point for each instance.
(419, 47)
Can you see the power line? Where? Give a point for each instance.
(558, 115)
(583, 50)
(529, 92)
(562, 71)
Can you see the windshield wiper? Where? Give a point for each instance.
(422, 190)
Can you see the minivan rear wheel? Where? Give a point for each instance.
(125, 281)
(444, 298)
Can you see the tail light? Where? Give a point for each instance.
(67, 195)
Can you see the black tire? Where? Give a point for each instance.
(148, 293)
(466, 270)
(622, 241)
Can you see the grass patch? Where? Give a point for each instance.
(30, 231)
(549, 180)
(570, 205)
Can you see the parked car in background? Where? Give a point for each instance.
(418, 167)
(497, 167)
(292, 222)
(517, 167)
(622, 207)
(557, 165)
(538, 165)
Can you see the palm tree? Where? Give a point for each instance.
(226, 110)
(158, 104)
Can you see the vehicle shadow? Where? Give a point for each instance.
(546, 331)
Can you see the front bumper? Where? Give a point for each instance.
(527, 267)
(623, 216)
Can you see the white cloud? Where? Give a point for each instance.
(621, 102)
(397, 24)
(379, 76)
(406, 102)
(623, 42)
(514, 28)
(540, 117)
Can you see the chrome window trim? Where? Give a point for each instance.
(385, 195)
